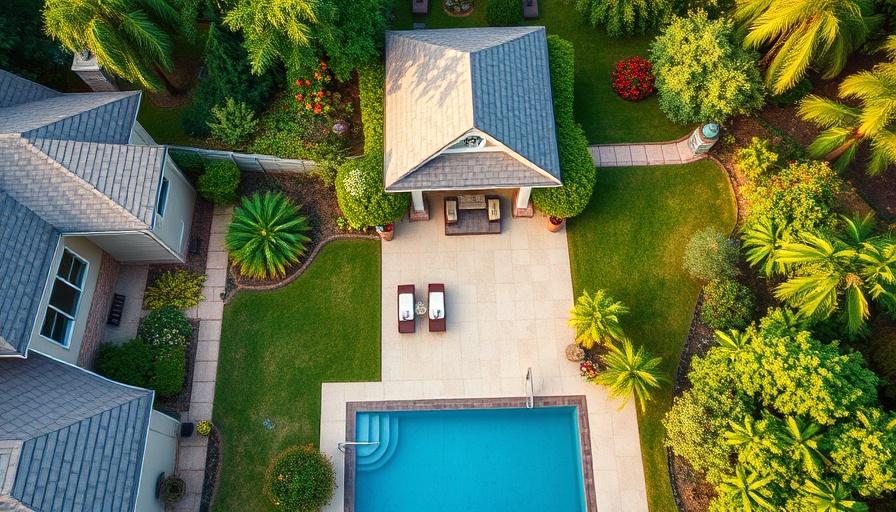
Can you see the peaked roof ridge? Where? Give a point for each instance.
(86, 117)
(468, 40)
(15, 90)
(64, 200)
(525, 160)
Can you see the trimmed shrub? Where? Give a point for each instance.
(179, 288)
(233, 122)
(301, 479)
(504, 13)
(189, 162)
(169, 370)
(266, 236)
(702, 73)
(710, 255)
(727, 305)
(220, 182)
(130, 363)
(625, 17)
(757, 161)
(577, 166)
(166, 327)
(359, 183)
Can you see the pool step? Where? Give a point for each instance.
(375, 427)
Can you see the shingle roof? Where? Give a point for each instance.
(470, 171)
(15, 90)
(440, 84)
(82, 436)
(26, 254)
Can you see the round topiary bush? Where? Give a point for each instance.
(727, 305)
(362, 197)
(179, 288)
(266, 236)
(504, 13)
(219, 182)
(166, 327)
(633, 79)
(301, 479)
(710, 255)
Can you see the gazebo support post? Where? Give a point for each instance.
(419, 208)
(522, 204)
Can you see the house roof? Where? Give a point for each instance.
(67, 158)
(78, 438)
(441, 84)
(26, 254)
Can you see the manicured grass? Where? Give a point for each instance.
(630, 241)
(278, 347)
(605, 117)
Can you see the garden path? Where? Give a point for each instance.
(646, 153)
(191, 451)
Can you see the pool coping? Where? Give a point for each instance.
(578, 401)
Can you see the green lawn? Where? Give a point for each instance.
(278, 347)
(605, 117)
(630, 241)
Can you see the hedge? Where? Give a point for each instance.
(220, 182)
(504, 13)
(359, 183)
(577, 167)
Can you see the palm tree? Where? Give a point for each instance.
(872, 119)
(762, 239)
(732, 341)
(802, 437)
(596, 319)
(124, 35)
(744, 437)
(747, 487)
(266, 236)
(274, 30)
(852, 267)
(803, 34)
(630, 374)
(831, 497)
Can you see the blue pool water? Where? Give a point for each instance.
(469, 460)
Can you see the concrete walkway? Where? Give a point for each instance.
(660, 153)
(191, 451)
(507, 300)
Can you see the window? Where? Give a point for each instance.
(65, 298)
(163, 198)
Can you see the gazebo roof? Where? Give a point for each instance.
(444, 84)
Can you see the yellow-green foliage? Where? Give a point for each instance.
(301, 479)
(625, 17)
(179, 288)
(702, 73)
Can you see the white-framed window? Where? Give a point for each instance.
(65, 298)
(163, 198)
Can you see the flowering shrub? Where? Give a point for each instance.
(589, 370)
(166, 327)
(312, 95)
(301, 479)
(633, 79)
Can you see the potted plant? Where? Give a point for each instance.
(204, 428)
(555, 223)
(386, 231)
(172, 488)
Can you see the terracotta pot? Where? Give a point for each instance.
(386, 232)
(556, 224)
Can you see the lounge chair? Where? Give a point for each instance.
(436, 307)
(406, 319)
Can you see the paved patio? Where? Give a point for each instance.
(508, 298)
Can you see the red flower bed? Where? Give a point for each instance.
(633, 79)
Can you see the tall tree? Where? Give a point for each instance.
(804, 34)
(274, 30)
(126, 36)
(872, 119)
(852, 268)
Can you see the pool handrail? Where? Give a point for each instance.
(530, 397)
(341, 446)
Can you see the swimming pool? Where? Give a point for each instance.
(469, 460)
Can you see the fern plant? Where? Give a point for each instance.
(266, 236)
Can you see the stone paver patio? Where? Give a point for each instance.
(508, 298)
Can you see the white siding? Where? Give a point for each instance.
(93, 255)
(160, 456)
(173, 228)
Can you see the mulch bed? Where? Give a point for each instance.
(181, 402)
(214, 458)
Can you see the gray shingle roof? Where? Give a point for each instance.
(83, 436)
(15, 90)
(26, 254)
(471, 171)
(440, 84)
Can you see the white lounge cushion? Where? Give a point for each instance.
(436, 305)
(405, 307)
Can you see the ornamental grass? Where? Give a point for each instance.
(266, 236)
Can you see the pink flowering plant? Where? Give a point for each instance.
(633, 79)
(588, 370)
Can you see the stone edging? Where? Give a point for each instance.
(685, 359)
(305, 264)
(676, 141)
